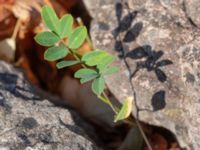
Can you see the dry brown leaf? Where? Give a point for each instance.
(22, 9)
(7, 50)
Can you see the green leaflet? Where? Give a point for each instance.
(98, 85)
(55, 53)
(77, 37)
(110, 70)
(46, 38)
(102, 60)
(105, 63)
(125, 110)
(94, 57)
(66, 23)
(98, 58)
(50, 19)
(86, 74)
(88, 78)
(66, 63)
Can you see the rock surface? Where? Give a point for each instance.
(158, 47)
(30, 122)
(193, 10)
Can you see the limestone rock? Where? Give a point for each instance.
(30, 122)
(158, 51)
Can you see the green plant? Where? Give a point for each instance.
(62, 40)
(95, 64)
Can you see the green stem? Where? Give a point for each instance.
(105, 99)
(107, 102)
(143, 135)
(77, 58)
(110, 103)
(74, 54)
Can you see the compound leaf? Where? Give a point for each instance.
(77, 37)
(55, 53)
(46, 38)
(125, 110)
(65, 63)
(66, 23)
(98, 85)
(50, 19)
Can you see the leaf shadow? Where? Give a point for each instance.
(133, 33)
(158, 100)
(150, 60)
(144, 56)
(124, 24)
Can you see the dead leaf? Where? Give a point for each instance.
(21, 9)
(7, 50)
(125, 110)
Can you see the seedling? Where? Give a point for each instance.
(63, 40)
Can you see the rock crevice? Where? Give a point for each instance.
(29, 121)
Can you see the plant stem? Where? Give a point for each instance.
(74, 54)
(144, 135)
(77, 58)
(104, 96)
(105, 99)
(110, 103)
(16, 29)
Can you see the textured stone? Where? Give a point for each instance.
(30, 122)
(158, 49)
(193, 11)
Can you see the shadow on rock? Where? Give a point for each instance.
(8, 82)
(144, 56)
(151, 62)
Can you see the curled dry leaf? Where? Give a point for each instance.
(7, 50)
(125, 110)
(22, 9)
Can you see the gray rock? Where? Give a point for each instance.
(30, 122)
(158, 49)
(193, 11)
